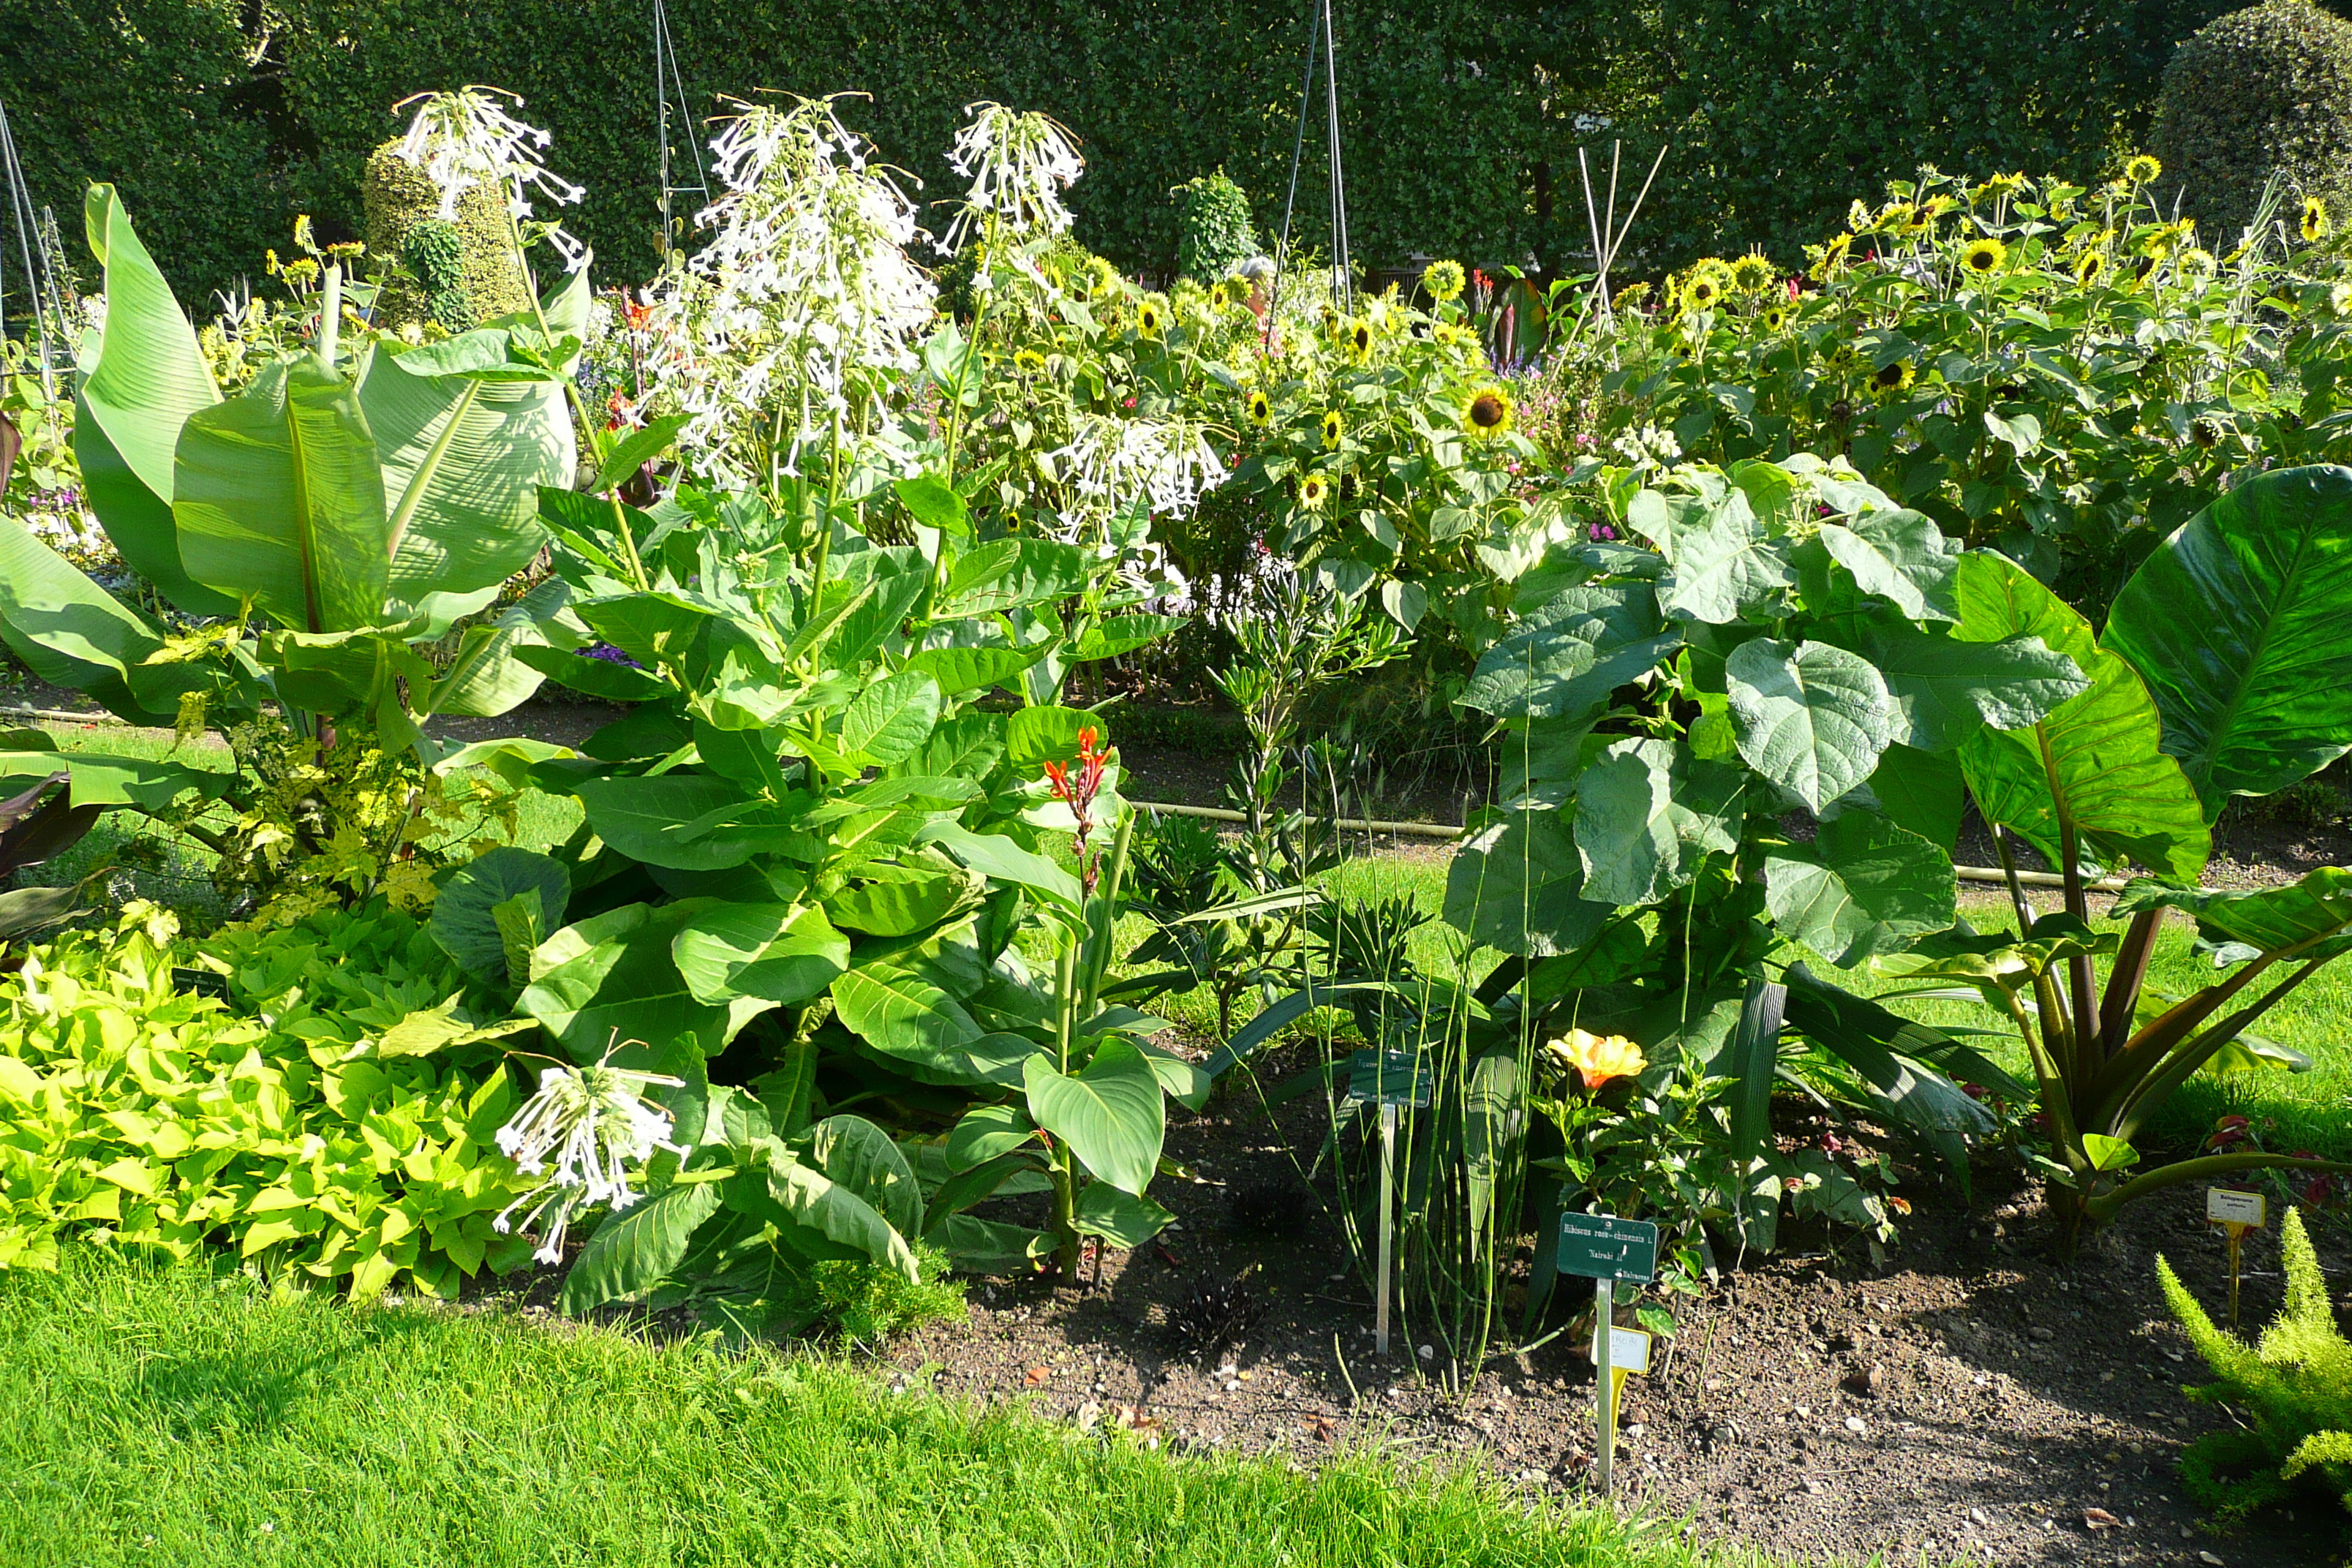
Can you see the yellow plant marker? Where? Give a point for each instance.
(2236, 1212)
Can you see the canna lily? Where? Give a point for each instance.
(1597, 1059)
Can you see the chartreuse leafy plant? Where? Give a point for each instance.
(295, 1123)
(2293, 1388)
(304, 537)
(2222, 672)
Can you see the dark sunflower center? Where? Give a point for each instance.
(1486, 410)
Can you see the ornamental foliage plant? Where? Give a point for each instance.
(306, 537)
(2221, 673)
(2293, 1388)
(2062, 373)
(2258, 95)
(292, 1119)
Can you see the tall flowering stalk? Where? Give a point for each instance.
(464, 139)
(1076, 784)
(1019, 165)
(803, 308)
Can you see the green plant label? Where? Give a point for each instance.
(1388, 1077)
(1602, 1246)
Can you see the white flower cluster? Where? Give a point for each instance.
(805, 290)
(594, 1124)
(1166, 466)
(467, 138)
(1019, 165)
(1648, 446)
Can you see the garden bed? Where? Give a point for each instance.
(1977, 1399)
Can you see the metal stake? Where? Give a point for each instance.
(2237, 1234)
(1388, 1224)
(1603, 1363)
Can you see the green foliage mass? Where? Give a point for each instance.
(139, 1114)
(2263, 93)
(1213, 235)
(1456, 121)
(2292, 1389)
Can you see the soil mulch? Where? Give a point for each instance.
(1976, 1398)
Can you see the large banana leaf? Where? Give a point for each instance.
(144, 379)
(2238, 624)
(69, 631)
(2092, 768)
(280, 498)
(462, 459)
(2312, 916)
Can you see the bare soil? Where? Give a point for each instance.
(1977, 1398)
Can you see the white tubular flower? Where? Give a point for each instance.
(1019, 165)
(1166, 466)
(594, 1124)
(804, 294)
(467, 138)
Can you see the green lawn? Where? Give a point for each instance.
(163, 1418)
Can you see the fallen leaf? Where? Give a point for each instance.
(1145, 1428)
(1036, 1376)
(2100, 1519)
(1323, 1429)
(1089, 1413)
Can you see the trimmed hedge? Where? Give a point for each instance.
(1461, 122)
(2261, 91)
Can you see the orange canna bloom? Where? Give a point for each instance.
(1598, 1058)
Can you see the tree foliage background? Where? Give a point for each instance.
(220, 119)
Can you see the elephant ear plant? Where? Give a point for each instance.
(2223, 671)
(304, 540)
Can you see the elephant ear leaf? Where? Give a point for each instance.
(147, 378)
(2237, 624)
(2089, 781)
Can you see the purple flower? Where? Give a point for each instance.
(609, 654)
(1601, 533)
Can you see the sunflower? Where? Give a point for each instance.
(2142, 170)
(1313, 490)
(1102, 278)
(1360, 340)
(1775, 318)
(1840, 354)
(2089, 268)
(1827, 259)
(1983, 258)
(1029, 359)
(1703, 290)
(1753, 273)
(1333, 428)
(1892, 379)
(1996, 187)
(1261, 410)
(1443, 279)
(1488, 412)
(1630, 297)
(2196, 262)
(2315, 220)
(1446, 335)
(1151, 316)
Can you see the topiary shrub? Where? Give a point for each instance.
(465, 272)
(2263, 91)
(1213, 234)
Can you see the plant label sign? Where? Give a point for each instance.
(2227, 1206)
(1602, 1246)
(1629, 1350)
(1388, 1077)
(201, 983)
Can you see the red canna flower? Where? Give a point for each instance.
(1077, 783)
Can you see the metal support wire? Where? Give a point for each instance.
(29, 233)
(1318, 32)
(669, 89)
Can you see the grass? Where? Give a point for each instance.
(164, 1417)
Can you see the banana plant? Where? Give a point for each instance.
(2223, 671)
(311, 531)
